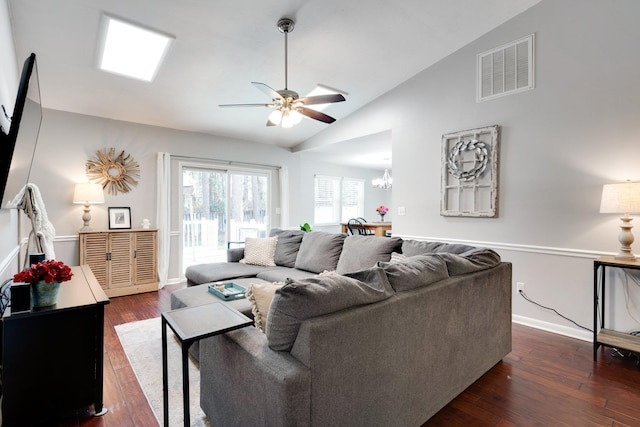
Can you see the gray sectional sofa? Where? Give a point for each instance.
(386, 340)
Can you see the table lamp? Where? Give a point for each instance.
(622, 198)
(88, 194)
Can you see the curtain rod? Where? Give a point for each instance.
(224, 162)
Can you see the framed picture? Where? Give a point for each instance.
(119, 218)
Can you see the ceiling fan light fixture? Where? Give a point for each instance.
(275, 117)
(290, 118)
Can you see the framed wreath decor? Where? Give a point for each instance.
(114, 173)
(470, 173)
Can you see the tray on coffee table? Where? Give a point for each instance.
(227, 291)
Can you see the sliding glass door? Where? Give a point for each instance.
(221, 208)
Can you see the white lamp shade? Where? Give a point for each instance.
(91, 194)
(621, 198)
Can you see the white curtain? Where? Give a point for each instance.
(284, 197)
(163, 215)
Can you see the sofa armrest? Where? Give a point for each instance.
(235, 254)
(244, 382)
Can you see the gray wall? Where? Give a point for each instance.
(8, 89)
(577, 130)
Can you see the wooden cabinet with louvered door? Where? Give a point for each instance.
(124, 261)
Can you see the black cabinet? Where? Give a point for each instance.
(52, 357)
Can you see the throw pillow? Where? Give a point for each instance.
(299, 300)
(260, 296)
(405, 273)
(260, 251)
(287, 247)
(319, 251)
(360, 252)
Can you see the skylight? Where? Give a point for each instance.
(131, 50)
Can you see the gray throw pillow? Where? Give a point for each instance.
(319, 251)
(468, 262)
(287, 247)
(361, 252)
(299, 300)
(414, 272)
(420, 247)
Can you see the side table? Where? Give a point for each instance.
(601, 335)
(191, 324)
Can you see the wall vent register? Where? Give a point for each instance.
(506, 70)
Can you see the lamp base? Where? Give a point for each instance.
(86, 217)
(626, 239)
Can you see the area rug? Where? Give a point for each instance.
(142, 343)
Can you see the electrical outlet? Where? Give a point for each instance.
(401, 210)
(520, 286)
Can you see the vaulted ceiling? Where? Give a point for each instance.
(363, 48)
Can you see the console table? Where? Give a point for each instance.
(52, 357)
(601, 335)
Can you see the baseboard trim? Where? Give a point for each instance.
(553, 327)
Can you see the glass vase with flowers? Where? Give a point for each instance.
(45, 278)
(382, 211)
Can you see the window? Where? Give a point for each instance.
(337, 199)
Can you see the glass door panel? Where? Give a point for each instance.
(248, 206)
(204, 199)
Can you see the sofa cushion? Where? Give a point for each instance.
(217, 271)
(319, 251)
(287, 247)
(280, 274)
(260, 251)
(260, 296)
(405, 273)
(299, 300)
(362, 252)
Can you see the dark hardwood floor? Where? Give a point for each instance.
(547, 380)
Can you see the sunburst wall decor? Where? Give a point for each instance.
(114, 173)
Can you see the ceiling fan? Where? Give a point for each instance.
(289, 107)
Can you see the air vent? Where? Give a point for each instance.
(506, 70)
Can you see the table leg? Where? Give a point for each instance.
(185, 382)
(595, 311)
(165, 381)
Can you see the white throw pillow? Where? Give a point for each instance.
(260, 251)
(260, 296)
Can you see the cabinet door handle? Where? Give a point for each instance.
(108, 256)
(135, 254)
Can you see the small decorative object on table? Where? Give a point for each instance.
(305, 227)
(45, 278)
(382, 211)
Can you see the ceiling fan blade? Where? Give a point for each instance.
(246, 105)
(270, 123)
(317, 115)
(322, 99)
(268, 90)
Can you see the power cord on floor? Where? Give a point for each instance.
(523, 295)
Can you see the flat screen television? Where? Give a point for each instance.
(17, 148)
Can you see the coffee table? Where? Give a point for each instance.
(191, 324)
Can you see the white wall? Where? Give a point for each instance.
(577, 130)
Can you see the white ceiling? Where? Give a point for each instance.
(364, 48)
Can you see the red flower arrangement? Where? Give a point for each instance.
(49, 271)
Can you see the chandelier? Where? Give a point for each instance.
(384, 182)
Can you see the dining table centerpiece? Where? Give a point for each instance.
(382, 211)
(45, 278)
